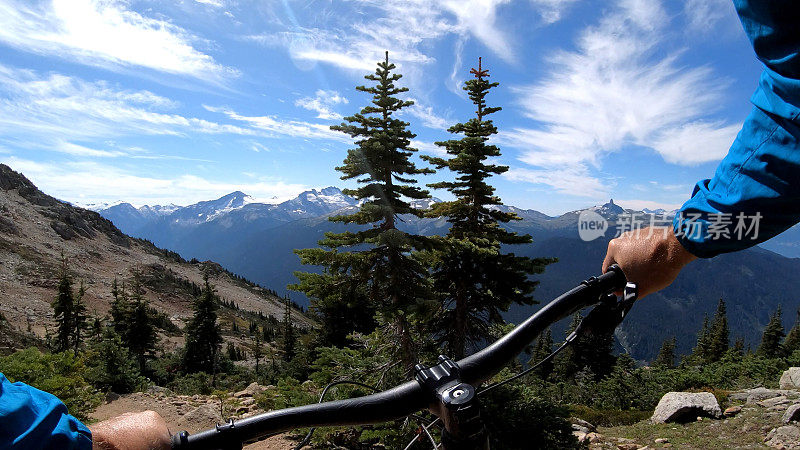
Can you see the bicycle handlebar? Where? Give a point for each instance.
(407, 398)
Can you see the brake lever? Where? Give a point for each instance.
(609, 312)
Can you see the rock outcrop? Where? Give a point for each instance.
(685, 407)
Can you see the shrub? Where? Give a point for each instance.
(60, 374)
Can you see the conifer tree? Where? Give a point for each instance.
(666, 354)
(288, 338)
(474, 278)
(258, 350)
(113, 368)
(771, 338)
(79, 318)
(542, 349)
(591, 354)
(384, 265)
(718, 334)
(141, 337)
(792, 341)
(203, 336)
(702, 350)
(64, 310)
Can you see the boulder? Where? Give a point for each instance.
(251, 390)
(785, 437)
(770, 402)
(582, 424)
(202, 417)
(792, 414)
(686, 407)
(732, 411)
(790, 378)
(758, 394)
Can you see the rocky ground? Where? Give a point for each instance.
(194, 413)
(755, 418)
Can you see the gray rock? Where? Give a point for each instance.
(686, 407)
(251, 390)
(790, 378)
(732, 411)
(582, 423)
(770, 402)
(758, 394)
(785, 437)
(792, 414)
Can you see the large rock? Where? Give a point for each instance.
(200, 418)
(785, 437)
(251, 390)
(792, 414)
(790, 378)
(758, 394)
(686, 407)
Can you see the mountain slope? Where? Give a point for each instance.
(35, 229)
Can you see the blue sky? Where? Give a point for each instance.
(157, 102)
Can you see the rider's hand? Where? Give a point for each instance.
(131, 431)
(651, 257)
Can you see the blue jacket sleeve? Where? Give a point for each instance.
(33, 419)
(755, 192)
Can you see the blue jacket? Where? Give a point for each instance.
(33, 419)
(755, 192)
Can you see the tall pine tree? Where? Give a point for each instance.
(288, 338)
(541, 350)
(666, 354)
(380, 261)
(718, 334)
(771, 346)
(475, 280)
(141, 335)
(792, 341)
(79, 318)
(64, 310)
(203, 336)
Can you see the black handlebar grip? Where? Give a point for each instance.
(616, 277)
(179, 440)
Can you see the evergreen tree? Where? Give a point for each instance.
(771, 338)
(64, 311)
(474, 279)
(792, 341)
(120, 310)
(702, 350)
(590, 354)
(543, 348)
(79, 318)
(288, 338)
(666, 355)
(141, 335)
(258, 350)
(718, 334)
(113, 368)
(383, 264)
(203, 335)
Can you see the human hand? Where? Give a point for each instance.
(131, 431)
(651, 257)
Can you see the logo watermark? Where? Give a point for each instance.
(591, 225)
(693, 226)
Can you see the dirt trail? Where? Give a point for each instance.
(190, 413)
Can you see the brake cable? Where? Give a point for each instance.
(325, 390)
(609, 311)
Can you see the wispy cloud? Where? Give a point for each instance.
(552, 11)
(277, 127)
(93, 182)
(323, 103)
(427, 116)
(105, 34)
(356, 36)
(615, 92)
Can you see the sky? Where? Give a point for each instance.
(158, 102)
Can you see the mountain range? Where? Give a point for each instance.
(257, 240)
(37, 231)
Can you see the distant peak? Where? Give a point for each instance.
(331, 190)
(234, 194)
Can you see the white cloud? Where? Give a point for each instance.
(61, 108)
(552, 10)
(322, 103)
(427, 116)
(703, 16)
(214, 3)
(615, 92)
(569, 180)
(90, 182)
(105, 34)
(274, 126)
(356, 37)
(430, 148)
